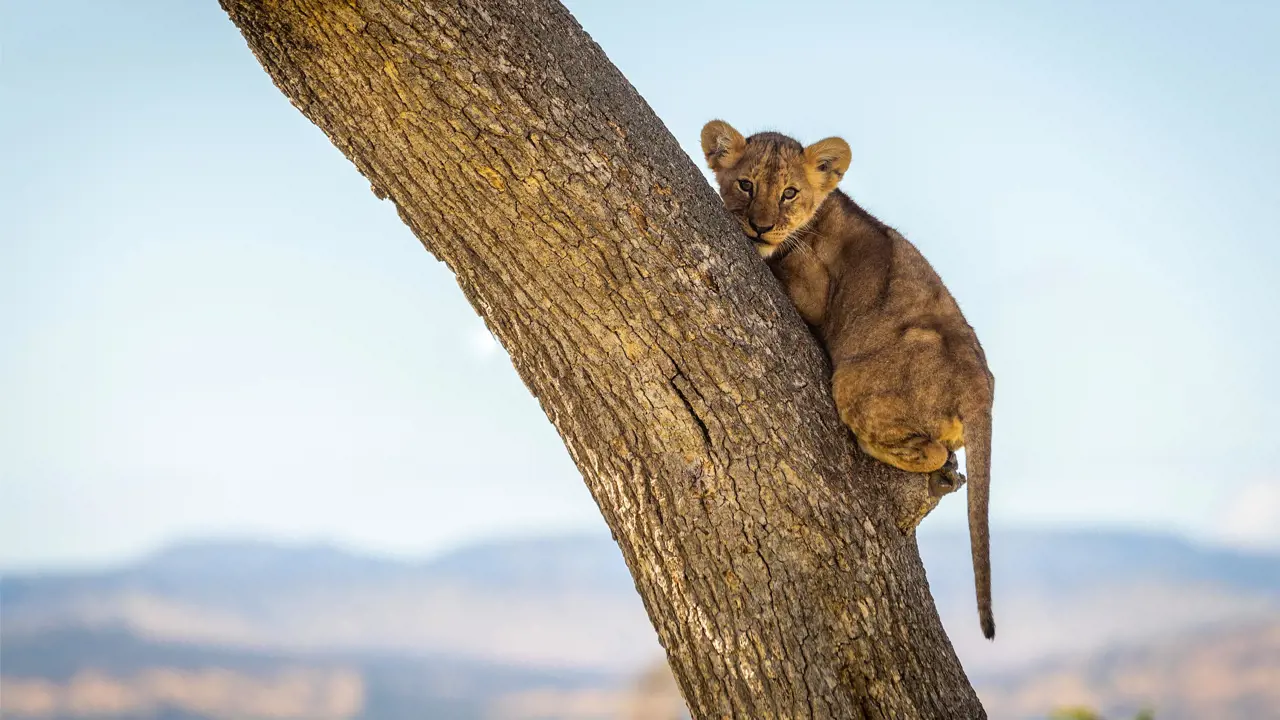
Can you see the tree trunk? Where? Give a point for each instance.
(778, 565)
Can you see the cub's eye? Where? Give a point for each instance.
(790, 193)
(745, 185)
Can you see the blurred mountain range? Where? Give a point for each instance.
(553, 628)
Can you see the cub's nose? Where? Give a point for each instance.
(760, 231)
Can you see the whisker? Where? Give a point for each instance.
(796, 240)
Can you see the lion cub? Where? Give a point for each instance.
(910, 378)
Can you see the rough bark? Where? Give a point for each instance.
(778, 566)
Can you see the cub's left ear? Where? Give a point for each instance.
(825, 162)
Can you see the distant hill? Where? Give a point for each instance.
(1229, 672)
(564, 605)
(541, 602)
(73, 673)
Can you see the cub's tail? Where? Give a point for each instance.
(977, 440)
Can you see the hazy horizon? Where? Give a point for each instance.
(212, 326)
(233, 540)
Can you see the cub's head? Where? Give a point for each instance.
(772, 184)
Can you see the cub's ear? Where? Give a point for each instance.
(825, 162)
(722, 145)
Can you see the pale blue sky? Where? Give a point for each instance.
(209, 325)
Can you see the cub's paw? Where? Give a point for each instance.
(946, 479)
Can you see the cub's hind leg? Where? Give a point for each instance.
(918, 454)
(884, 422)
(913, 452)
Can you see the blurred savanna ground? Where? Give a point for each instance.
(553, 628)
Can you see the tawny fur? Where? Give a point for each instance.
(910, 378)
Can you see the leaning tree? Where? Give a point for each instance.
(777, 564)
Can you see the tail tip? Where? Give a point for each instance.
(989, 628)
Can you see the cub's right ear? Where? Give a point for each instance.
(722, 145)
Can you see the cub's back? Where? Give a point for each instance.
(906, 324)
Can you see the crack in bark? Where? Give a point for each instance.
(676, 381)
